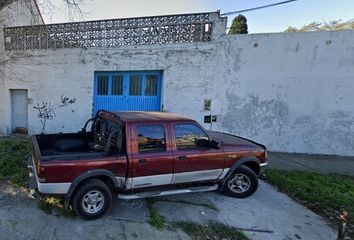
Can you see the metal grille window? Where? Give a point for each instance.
(135, 85)
(102, 85)
(117, 85)
(151, 85)
(127, 91)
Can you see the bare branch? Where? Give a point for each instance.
(4, 3)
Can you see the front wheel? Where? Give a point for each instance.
(92, 199)
(242, 183)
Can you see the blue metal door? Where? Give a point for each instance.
(127, 91)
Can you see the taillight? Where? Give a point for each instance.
(40, 169)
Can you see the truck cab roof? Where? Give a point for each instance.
(149, 117)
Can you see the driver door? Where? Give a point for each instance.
(193, 162)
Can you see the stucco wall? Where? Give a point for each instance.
(21, 13)
(292, 92)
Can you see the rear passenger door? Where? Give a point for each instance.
(193, 162)
(152, 159)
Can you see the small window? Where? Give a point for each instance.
(102, 85)
(187, 136)
(151, 85)
(135, 85)
(117, 85)
(151, 138)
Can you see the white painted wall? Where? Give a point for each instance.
(290, 91)
(21, 13)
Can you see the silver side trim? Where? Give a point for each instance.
(121, 181)
(147, 181)
(54, 188)
(226, 170)
(196, 176)
(164, 179)
(170, 192)
(49, 188)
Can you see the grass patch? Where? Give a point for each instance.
(212, 230)
(156, 219)
(54, 206)
(325, 194)
(13, 165)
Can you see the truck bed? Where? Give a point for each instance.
(64, 146)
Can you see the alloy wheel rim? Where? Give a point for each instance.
(92, 202)
(239, 183)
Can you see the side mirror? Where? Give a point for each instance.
(202, 142)
(215, 144)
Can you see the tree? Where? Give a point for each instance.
(323, 26)
(239, 25)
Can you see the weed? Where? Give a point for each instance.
(156, 219)
(325, 194)
(13, 165)
(54, 205)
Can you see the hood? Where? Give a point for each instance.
(228, 139)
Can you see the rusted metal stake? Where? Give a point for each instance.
(343, 217)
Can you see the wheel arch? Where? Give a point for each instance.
(102, 174)
(250, 162)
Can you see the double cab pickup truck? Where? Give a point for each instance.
(134, 155)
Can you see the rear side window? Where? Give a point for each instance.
(187, 135)
(151, 138)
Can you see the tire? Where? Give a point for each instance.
(92, 199)
(242, 183)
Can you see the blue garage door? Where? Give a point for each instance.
(127, 91)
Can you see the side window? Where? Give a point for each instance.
(151, 138)
(188, 135)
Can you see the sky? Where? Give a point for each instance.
(274, 19)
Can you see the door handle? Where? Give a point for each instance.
(182, 158)
(142, 161)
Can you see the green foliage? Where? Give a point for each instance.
(54, 205)
(212, 230)
(323, 26)
(13, 165)
(156, 219)
(239, 25)
(326, 194)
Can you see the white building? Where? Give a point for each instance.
(291, 91)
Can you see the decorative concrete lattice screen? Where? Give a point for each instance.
(187, 28)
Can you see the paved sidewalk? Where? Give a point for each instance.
(316, 163)
(266, 215)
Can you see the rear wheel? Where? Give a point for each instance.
(92, 199)
(242, 183)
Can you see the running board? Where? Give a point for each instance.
(170, 192)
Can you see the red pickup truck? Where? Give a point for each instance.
(141, 154)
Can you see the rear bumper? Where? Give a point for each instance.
(32, 184)
(263, 167)
(45, 188)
